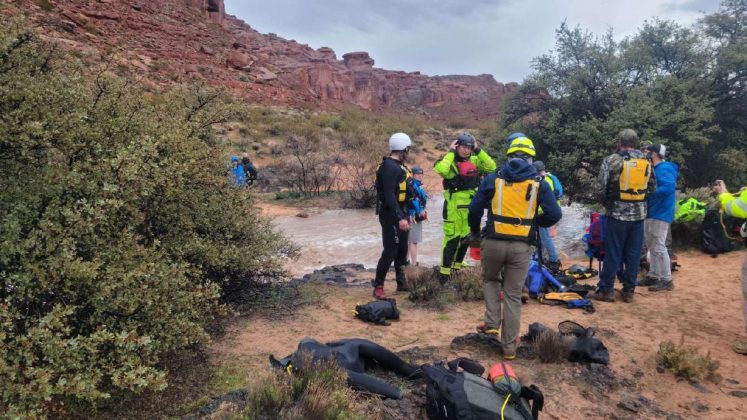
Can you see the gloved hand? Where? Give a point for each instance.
(424, 215)
(474, 240)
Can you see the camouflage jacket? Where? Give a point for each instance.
(609, 175)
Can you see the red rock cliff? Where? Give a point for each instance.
(168, 40)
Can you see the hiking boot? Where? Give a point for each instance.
(740, 346)
(401, 282)
(661, 286)
(648, 281)
(509, 354)
(604, 296)
(628, 296)
(378, 293)
(524, 296)
(483, 328)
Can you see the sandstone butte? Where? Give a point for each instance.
(166, 41)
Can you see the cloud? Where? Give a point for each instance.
(498, 37)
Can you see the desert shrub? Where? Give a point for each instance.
(422, 283)
(686, 362)
(318, 390)
(119, 229)
(468, 283)
(551, 347)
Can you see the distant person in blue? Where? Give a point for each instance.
(659, 217)
(547, 243)
(237, 171)
(418, 213)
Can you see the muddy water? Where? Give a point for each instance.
(332, 237)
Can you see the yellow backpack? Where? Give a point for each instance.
(634, 177)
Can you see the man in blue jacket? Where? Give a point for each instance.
(659, 217)
(512, 196)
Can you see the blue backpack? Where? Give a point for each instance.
(539, 279)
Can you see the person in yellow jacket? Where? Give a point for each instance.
(735, 205)
(462, 168)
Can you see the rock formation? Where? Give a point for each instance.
(170, 39)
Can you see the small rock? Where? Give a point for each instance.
(661, 369)
(190, 68)
(732, 381)
(303, 215)
(700, 388)
(206, 50)
(738, 394)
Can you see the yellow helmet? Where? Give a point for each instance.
(521, 144)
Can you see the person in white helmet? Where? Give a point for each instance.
(395, 193)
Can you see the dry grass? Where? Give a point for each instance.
(551, 347)
(468, 282)
(318, 390)
(686, 362)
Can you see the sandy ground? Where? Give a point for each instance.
(705, 309)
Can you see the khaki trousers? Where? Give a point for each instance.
(513, 258)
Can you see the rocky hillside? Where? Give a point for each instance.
(169, 40)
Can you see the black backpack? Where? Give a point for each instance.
(378, 311)
(714, 237)
(468, 396)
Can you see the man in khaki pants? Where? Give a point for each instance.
(511, 197)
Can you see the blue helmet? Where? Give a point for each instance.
(513, 136)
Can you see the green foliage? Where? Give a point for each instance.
(686, 362)
(119, 230)
(317, 391)
(665, 82)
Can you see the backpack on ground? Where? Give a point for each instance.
(539, 280)
(713, 229)
(378, 311)
(594, 239)
(467, 396)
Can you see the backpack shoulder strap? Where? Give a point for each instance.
(533, 394)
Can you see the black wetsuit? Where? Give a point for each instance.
(354, 355)
(391, 211)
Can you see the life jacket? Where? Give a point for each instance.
(513, 209)
(405, 190)
(467, 178)
(634, 176)
(467, 396)
(594, 237)
(569, 299)
(552, 185)
(689, 209)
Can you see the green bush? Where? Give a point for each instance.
(119, 229)
(686, 362)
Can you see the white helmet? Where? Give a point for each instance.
(399, 141)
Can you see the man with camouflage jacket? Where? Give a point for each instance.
(624, 180)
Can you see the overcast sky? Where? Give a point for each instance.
(438, 37)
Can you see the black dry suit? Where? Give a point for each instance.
(354, 355)
(395, 192)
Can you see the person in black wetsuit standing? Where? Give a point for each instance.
(395, 193)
